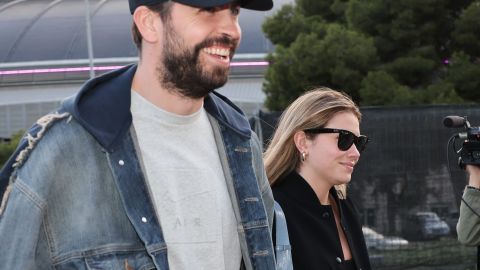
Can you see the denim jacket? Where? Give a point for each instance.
(75, 196)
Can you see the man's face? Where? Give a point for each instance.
(198, 47)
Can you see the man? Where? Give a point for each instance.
(468, 226)
(146, 167)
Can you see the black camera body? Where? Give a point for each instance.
(470, 151)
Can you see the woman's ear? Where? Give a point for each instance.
(300, 139)
(146, 22)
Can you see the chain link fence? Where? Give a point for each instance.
(407, 193)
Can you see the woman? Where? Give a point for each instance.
(309, 162)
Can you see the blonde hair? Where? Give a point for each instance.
(313, 109)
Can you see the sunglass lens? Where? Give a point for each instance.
(361, 142)
(345, 141)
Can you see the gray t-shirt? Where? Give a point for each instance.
(185, 176)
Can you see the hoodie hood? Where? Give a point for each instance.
(102, 107)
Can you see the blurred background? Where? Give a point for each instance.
(407, 63)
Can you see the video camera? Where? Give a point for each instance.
(469, 153)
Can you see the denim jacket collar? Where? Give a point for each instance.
(103, 107)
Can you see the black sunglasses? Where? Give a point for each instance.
(345, 139)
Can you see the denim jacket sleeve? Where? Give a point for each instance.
(263, 183)
(22, 216)
(22, 230)
(64, 211)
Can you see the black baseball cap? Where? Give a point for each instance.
(261, 5)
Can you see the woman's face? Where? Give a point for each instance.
(324, 161)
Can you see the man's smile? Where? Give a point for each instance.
(222, 53)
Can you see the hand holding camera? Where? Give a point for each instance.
(474, 172)
(469, 153)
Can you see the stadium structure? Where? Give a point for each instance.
(49, 48)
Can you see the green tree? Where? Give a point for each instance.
(330, 10)
(441, 93)
(380, 88)
(380, 52)
(411, 71)
(403, 25)
(340, 59)
(285, 26)
(465, 75)
(467, 31)
(7, 148)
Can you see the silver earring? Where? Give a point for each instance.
(304, 156)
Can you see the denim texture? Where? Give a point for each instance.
(283, 249)
(77, 198)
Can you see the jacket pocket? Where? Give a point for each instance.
(124, 261)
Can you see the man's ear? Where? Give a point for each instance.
(300, 139)
(146, 21)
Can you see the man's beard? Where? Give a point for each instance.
(181, 71)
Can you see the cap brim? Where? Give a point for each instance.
(260, 5)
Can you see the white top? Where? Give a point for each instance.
(185, 176)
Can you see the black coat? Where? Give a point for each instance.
(312, 230)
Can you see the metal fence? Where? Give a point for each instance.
(407, 196)
(19, 117)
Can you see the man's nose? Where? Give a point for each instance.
(229, 25)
